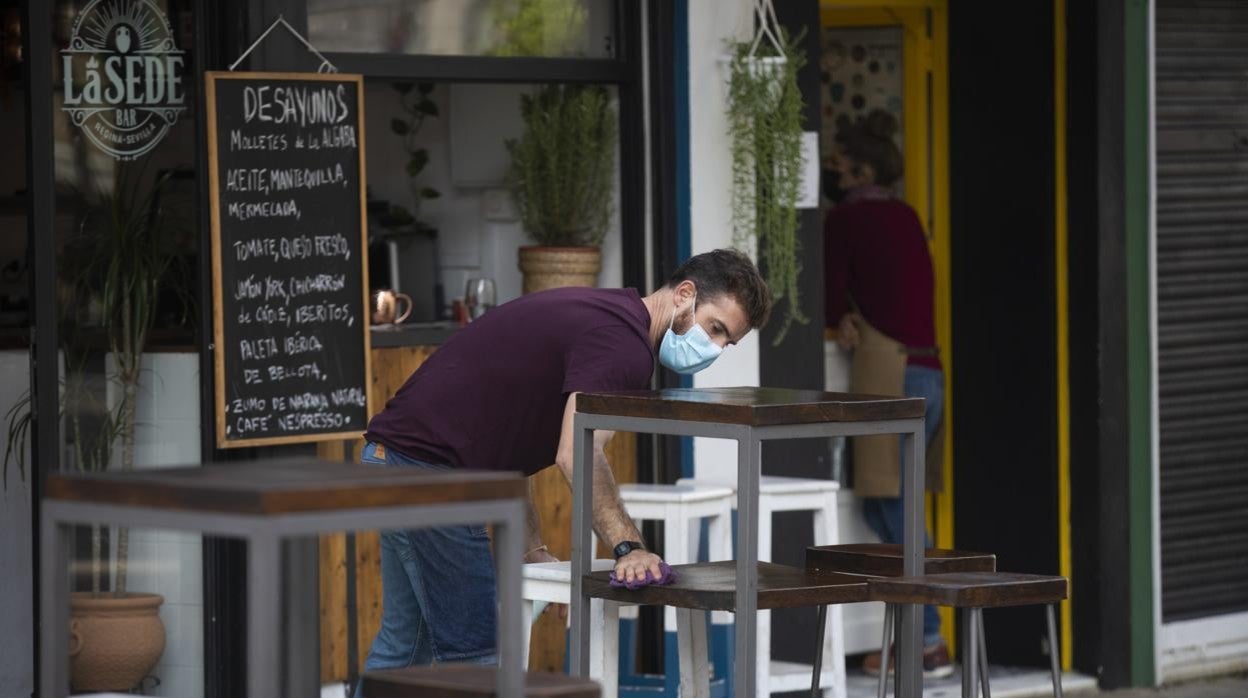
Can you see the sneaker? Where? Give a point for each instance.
(936, 664)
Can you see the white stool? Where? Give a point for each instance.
(681, 508)
(551, 582)
(795, 494)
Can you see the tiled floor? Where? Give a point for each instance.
(1006, 682)
(1223, 687)
(1017, 683)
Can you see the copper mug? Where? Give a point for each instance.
(386, 307)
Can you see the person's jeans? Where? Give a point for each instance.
(885, 515)
(438, 594)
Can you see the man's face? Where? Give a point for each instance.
(722, 318)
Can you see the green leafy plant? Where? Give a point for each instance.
(562, 166)
(115, 268)
(538, 27)
(417, 106)
(765, 128)
(19, 420)
(126, 254)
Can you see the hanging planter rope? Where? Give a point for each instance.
(764, 110)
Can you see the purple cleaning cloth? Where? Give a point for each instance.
(667, 576)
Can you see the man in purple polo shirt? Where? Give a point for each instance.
(500, 395)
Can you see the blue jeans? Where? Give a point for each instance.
(438, 594)
(885, 515)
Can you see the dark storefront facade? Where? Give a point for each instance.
(1079, 169)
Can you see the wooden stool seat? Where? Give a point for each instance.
(467, 681)
(885, 560)
(973, 592)
(970, 589)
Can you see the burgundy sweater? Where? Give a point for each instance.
(876, 252)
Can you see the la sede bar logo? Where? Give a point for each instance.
(123, 76)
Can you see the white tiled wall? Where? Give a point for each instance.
(164, 562)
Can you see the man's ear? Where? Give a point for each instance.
(685, 290)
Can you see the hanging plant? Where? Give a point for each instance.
(765, 127)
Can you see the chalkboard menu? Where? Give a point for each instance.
(286, 158)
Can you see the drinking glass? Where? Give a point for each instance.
(479, 296)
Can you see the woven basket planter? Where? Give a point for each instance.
(554, 267)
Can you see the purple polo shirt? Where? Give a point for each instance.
(493, 396)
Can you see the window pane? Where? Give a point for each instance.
(124, 112)
(551, 28)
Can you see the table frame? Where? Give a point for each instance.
(264, 534)
(749, 440)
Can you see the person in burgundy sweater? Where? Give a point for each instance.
(500, 395)
(877, 267)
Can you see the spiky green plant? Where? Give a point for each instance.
(563, 165)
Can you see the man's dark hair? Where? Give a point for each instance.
(727, 273)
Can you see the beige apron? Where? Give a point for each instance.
(879, 368)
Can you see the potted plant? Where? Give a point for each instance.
(561, 179)
(764, 109)
(116, 266)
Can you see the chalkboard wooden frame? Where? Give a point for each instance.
(210, 87)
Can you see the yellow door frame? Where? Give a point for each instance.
(925, 55)
(925, 95)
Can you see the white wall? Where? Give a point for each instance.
(710, 174)
(169, 562)
(477, 230)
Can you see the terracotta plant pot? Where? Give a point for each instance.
(553, 267)
(113, 641)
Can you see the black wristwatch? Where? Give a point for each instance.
(626, 547)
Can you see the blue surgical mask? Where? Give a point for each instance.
(690, 352)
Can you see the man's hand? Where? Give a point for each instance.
(633, 566)
(847, 331)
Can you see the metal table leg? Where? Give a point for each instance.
(749, 463)
(582, 550)
(820, 623)
(264, 615)
(54, 607)
(509, 548)
(910, 628)
(301, 584)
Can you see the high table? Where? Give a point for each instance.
(264, 502)
(750, 416)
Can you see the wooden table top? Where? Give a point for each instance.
(886, 559)
(283, 486)
(712, 586)
(971, 589)
(749, 405)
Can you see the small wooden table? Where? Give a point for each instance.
(749, 416)
(263, 503)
